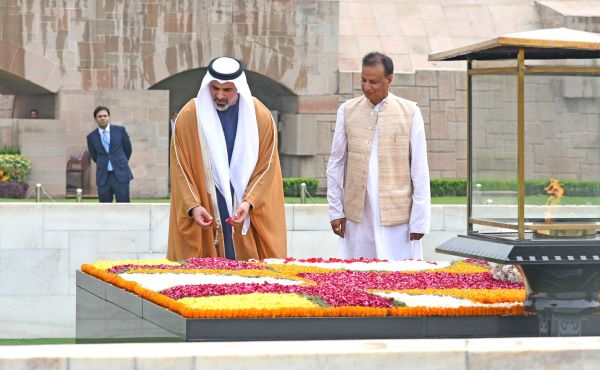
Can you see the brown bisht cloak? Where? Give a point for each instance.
(266, 237)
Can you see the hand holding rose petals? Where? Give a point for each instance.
(202, 217)
(240, 214)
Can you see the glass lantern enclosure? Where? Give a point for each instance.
(533, 135)
(534, 143)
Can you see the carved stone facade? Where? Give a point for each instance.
(146, 58)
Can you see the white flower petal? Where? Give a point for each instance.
(158, 282)
(405, 265)
(430, 300)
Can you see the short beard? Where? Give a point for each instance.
(226, 106)
(222, 108)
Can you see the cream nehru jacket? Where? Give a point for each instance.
(393, 122)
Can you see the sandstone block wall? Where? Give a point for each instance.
(562, 127)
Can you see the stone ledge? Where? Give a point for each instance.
(439, 354)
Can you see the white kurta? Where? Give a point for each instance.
(369, 239)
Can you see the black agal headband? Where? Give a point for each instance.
(225, 74)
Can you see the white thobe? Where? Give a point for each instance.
(369, 238)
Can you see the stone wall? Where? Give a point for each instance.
(108, 45)
(578, 15)
(408, 30)
(6, 106)
(8, 132)
(561, 123)
(42, 141)
(384, 354)
(310, 49)
(116, 44)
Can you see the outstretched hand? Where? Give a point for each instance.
(240, 213)
(202, 217)
(339, 226)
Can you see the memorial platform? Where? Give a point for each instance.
(106, 313)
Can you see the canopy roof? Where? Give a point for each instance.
(552, 43)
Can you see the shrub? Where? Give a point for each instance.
(448, 187)
(13, 189)
(458, 187)
(291, 186)
(9, 150)
(16, 167)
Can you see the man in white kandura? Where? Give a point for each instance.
(377, 176)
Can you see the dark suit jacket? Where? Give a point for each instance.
(119, 153)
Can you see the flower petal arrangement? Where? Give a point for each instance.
(315, 287)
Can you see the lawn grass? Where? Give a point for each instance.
(36, 341)
(313, 200)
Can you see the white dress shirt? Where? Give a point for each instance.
(107, 129)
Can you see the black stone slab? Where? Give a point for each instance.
(91, 284)
(481, 326)
(124, 299)
(100, 321)
(164, 318)
(305, 328)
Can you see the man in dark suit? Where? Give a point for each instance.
(110, 148)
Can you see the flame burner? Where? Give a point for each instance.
(565, 234)
(562, 276)
(586, 229)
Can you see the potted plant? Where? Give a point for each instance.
(14, 172)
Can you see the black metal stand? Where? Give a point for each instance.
(562, 279)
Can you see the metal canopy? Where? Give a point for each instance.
(552, 43)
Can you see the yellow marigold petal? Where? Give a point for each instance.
(460, 267)
(105, 265)
(253, 301)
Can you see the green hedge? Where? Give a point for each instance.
(448, 187)
(9, 150)
(291, 186)
(458, 187)
(15, 166)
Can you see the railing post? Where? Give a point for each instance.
(38, 193)
(478, 194)
(303, 193)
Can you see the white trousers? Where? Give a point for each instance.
(369, 239)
